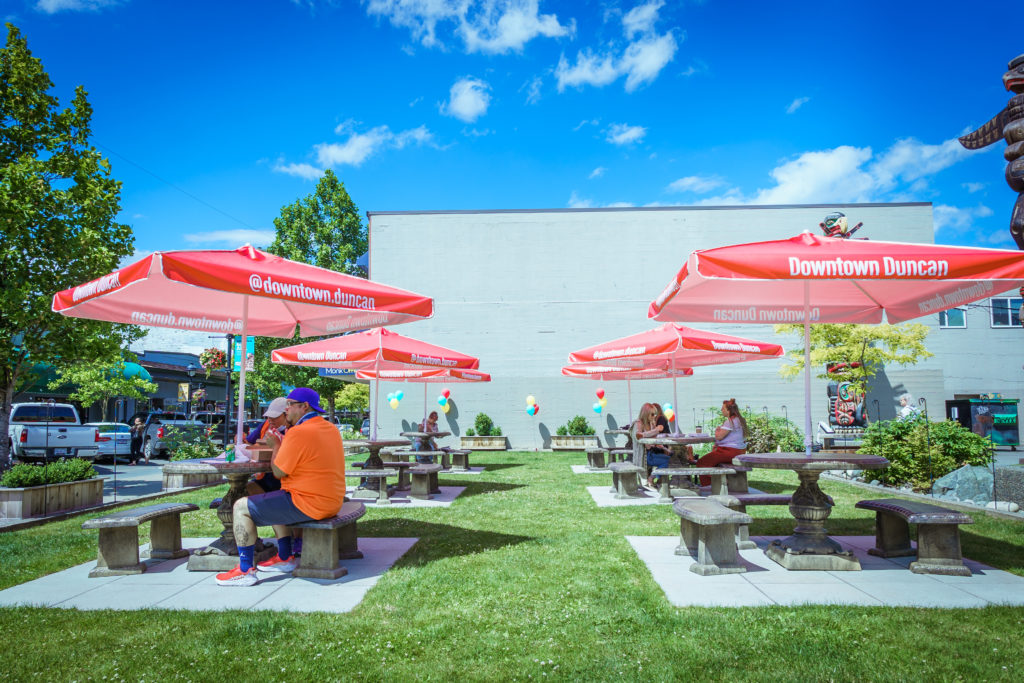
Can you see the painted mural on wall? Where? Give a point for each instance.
(1008, 124)
(846, 406)
(836, 225)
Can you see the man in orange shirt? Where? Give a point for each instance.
(311, 466)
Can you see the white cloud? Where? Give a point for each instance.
(356, 149)
(597, 172)
(619, 205)
(973, 187)
(586, 122)
(307, 171)
(796, 104)
(910, 159)
(233, 238)
(641, 18)
(54, 6)
(642, 59)
(533, 90)
(623, 134)
(468, 100)
(575, 202)
(489, 26)
(695, 183)
(957, 219)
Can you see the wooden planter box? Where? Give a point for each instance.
(484, 443)
(37, 501)
(573, 443)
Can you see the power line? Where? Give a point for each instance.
(170, 184)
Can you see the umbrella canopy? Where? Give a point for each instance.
(676, 345)
(815, 279)
(614, 373)
(375, 351)
(243, 291)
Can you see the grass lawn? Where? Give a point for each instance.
(522, 577)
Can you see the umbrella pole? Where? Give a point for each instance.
(424, 405)
(240, 427)
(675, 396)
(807, 368)
(376, 400)
(629, 400)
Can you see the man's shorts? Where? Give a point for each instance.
(268, 482)
(276, 507)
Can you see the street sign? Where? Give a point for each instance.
(336, 372)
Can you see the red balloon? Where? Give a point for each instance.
(600, 393)
(536, 408)
(446, 393)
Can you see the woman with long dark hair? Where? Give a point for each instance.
(730, 439)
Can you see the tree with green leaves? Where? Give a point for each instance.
(353, 397)
(323, 229)
(58, 205)
(102, 382)
(873, 346)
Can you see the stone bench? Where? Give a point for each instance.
(327, 541)
(434, 456)
(717, 474)
(376, 478)
(460, 459)
(596, 457)
(707, 532)
(119, 537)
(938, 534)
(424, 481)
(625, 479)
(619, 454)
(403, 473)
(737, 482)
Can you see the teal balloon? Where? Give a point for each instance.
(531, 410)
(597, 407)
(441, 400)
(399, 395)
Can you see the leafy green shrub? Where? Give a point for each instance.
(64, 470)
(470, 432)
(186, 444)
(907, 445)
(485, 426)
(577, 426)
(765, 433)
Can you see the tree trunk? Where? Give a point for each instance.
(5, 421)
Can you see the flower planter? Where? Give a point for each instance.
(38, 501)
(573, 443)
(484, 443)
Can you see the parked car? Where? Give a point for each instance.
(115, 439)
(156, 430)
(46, 431)
(365, 428)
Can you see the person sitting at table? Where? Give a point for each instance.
(426, 443)
(663, 421)
(311, 466)
(647, 427)
(277, 421)
(730, 440)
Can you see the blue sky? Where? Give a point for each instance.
(216, 114)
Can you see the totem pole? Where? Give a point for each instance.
(1009, 124)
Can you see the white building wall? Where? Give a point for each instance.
(521, 289)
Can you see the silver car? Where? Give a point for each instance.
(115, 439)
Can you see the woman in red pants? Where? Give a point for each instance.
(730, 439)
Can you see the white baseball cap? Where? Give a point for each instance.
(276, 407)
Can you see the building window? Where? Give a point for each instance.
(954, 317)
(1006, 311)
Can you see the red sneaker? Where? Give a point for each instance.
(236, 577)
(276, 564)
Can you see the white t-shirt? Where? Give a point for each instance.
(734, 439)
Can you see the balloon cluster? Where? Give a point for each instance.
(532, 408)
(394, 398)
(670, 412)
(601, 401)
(442, 400)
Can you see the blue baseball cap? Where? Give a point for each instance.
(306, 395)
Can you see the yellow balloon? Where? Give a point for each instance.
(603, 402)
(530, 400)
(670, 415)
(446, 407)
(393, 403)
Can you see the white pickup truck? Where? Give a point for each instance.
(46, 431)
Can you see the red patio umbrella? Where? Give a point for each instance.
(242, 291)
(815, 279)
(374, 351)
(677, 346)
(614, 373)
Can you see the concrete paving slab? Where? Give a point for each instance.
(585, 469)
(443, 499)
(881, 581)
(604, 498)
(456, 473)
(169, 585)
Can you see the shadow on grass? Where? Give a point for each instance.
(476, 488)
(495, 467)
(437, 541)
(1002, 553)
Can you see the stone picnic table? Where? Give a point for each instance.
(415, 436)
(810, 547)
(222, 554)
(674, 442)
(374, 446)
